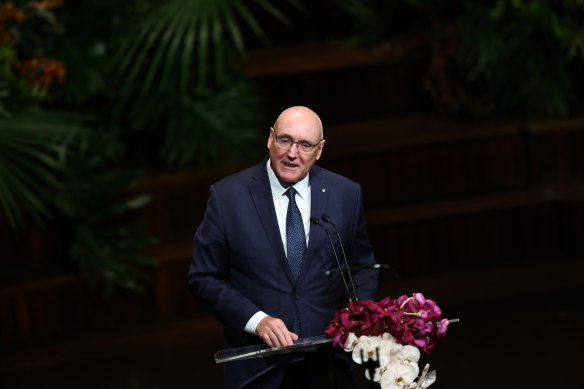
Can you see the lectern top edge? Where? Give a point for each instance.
(238, 354)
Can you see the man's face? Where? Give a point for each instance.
(291, 164)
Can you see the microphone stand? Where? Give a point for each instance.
(314, 220)
(327, 219)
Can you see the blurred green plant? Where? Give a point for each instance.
(219, 126)
(34, 143)
(364, 23)
(144, 78)
(108, 245)
(176, 80)
(504, 56)
(214, 127)
(56, 163)
(488, 57)
(34, 147)
(184, 44)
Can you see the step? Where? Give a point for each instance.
(318, 56)
(180, 353)
(473, 285)
(424, 158)
(119, 358)
(479, 230)
(343, 83)
(556, 148)
(63, 306)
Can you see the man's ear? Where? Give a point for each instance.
(270, 137)
(320, 147)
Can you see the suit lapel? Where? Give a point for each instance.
(264, 204)
(319, 196)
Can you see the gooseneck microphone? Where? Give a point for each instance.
(328, 220)
(314, 220)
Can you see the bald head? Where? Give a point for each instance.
(300, 114)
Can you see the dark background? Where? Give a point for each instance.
(485, 215)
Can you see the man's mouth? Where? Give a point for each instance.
(288, 164)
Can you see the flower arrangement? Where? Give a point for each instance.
(391, 332)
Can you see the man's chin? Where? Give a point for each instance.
(288, 179)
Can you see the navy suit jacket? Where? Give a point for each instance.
(239, 266)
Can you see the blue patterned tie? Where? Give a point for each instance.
(296, 244)
(295, 237)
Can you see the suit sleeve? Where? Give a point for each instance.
(209, 272)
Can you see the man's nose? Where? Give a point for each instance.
(293, 150)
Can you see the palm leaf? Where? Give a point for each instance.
(32, 153)
(172, 44)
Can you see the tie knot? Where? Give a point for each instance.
(291, 193)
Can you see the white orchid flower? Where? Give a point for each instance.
(379, 348)
(388, 345)
(407, 354)
(366, 348)
(426, 379)
(351, 342)
(398, 376)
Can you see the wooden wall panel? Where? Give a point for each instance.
(571, 221)
(473, 237)
(557, 152)
(437, 171)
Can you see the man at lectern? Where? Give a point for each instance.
(262, 267)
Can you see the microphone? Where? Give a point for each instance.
(314, 220)
(328, 219)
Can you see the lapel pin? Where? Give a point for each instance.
(323, 190)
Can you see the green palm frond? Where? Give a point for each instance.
(32, 152)
(178, 44)
(221, 128)
(369, 20)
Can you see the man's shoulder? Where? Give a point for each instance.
(332, 178)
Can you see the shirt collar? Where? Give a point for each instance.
(278, 190)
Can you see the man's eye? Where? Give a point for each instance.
(285, 140)
(306, 145)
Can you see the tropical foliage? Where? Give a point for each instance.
(369, 21)
(174, 72)
(34, 142)
(488, 57)
(504, 56)
(93, 92)
(34, 148)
